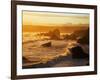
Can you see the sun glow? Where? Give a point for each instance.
(53, 19)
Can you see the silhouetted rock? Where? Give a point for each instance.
(84, 39)
(25, 60)
(77, 52)
(70, 37)
(81, 35)
(55, 34)
(47, 44)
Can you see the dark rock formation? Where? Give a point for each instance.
(81, 35)
(55, 34)
(70, 37)
(77, 52)
(47, 44)
(24, 60)
(84, 39)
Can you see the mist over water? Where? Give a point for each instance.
(56, 55)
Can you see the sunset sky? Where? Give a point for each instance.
(52, 19)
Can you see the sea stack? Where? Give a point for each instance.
(55, 34)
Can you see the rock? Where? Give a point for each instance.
(25, 60)
(47, 44)
(70, 37)
(84, 39)
(82, 36)
(77, 52)
(55, 34)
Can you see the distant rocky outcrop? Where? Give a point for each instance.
(55, 34)
(47, 44)
(78, 52)
(70, 37)
(81, 35)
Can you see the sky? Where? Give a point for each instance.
(53, 19)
